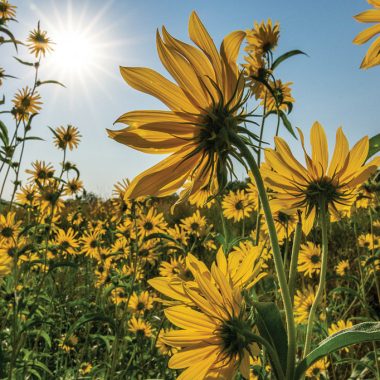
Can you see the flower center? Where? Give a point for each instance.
(148, 226)
(7, 232)
(315, 259)
(239, 205)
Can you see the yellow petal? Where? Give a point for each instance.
(319, 148)
(244, 365)
(188, 357)
(136, 118)
(369, 15)
(366, 34)
(340, 153)
(162, 284)
(372, 58)
(183, 73)
(153, 83)
(147, 141)
(187, 318)
(189, 338)
(165, 177)
(202, 39)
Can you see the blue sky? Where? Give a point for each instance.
(328, 84)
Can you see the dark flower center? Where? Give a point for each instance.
(239, 205)
(148, 226)
(315, 259)
(7, 232)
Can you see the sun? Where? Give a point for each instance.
(74, 51)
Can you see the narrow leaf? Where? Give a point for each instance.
(285, 56)
(374, 146)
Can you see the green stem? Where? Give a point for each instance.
(279, 265)
(322, 279)
(294, 259)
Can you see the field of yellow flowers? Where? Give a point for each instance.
(186, 272)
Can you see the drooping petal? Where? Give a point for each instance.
(187, 318)
(187, 357)
(366, 34)
(153, 83)
(165, 177)
(372, 58)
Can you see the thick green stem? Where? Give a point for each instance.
(294, 260)
(279, 265)
(322, 279)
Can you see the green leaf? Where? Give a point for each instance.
(4, 133)
(285, 56)
(91, 318)
(287, 124)
(24, 62)
(374, 146)
(10, 35)
(271, 328)
(40, 83)
(361, 333)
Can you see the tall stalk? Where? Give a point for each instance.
(324, 220)
(279, 265)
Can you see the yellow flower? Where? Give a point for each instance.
(342, 268)
(91, 241)
(118, 296)
(215, 335)
(68, 137)
(195, 224)
(7, 10)
(41, 172)
(263, 37)
(318, 370)
(204, 105)
(6, 262)
(26, 102)
(306, 188)
(151, 223)
(372, 58)
(237, 205)
(173, 267)
(85, 368)
(9, 228)
(139, 303)
(303, 302)
(26, 196)
(67, 241)
(309, 259)
(73, 186)
(201, 198)
(162, 347)
(139, 327)
(38, 42)
(339, 326)
(369, 241)
(255, 71)
(282, 100)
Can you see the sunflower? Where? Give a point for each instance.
(339, 326)
(202, 198)
(38, 42)
(237, 205)
(309, 259)
(244, 249)
(369, 241)
(27, 194)
(303, 302)
(263, 37)
(67, 241)
(85, 368)
(204, 105)
(175, 267)
(334, 186)
(151, 223)
(6, 262)
(9, 228)
(26, 102)
(215, 336)
(140, 327)
(280, 99)
(194, 225)
(68, 137)
(73, 186)
(68, 343)
(49, 198)
(41, 172)
(139, 303)
(342, 267)
(7, 10)
(162, 347)
(372, 58)
(255, 72)
(118, 296)
(91, 242)
(318, 370)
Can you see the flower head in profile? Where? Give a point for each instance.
(263, 37)
(280, 99)
(342, 268)
(320, 183)
(7, 10)
(215, 336)
(26, 102)
(372, 57)
(204, 104)
(38, 42)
